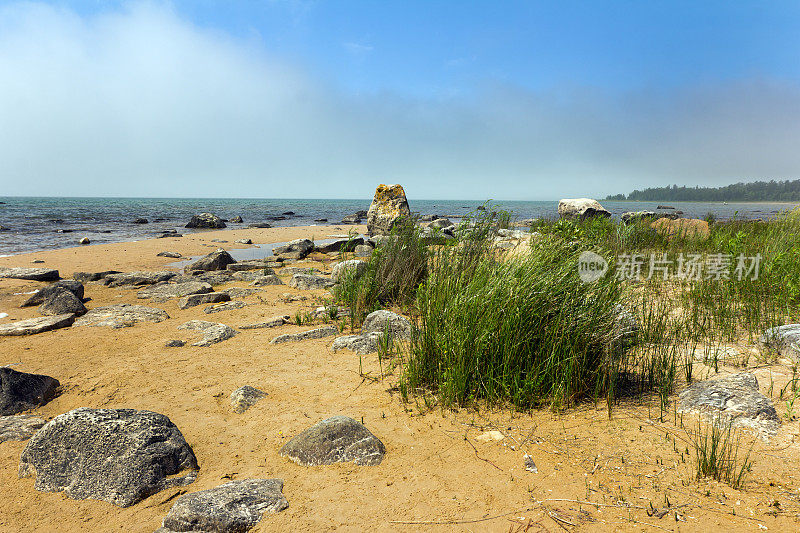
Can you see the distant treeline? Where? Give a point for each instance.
(757, 191)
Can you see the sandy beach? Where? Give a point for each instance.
(443, 469)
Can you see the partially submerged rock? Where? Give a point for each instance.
(581, 208)
(388, 207)
(121, 316)
(310, 282)
(207, 298)
(338, 439)
(218, 260)
(733, 400)
(117, 455)
(19, 427)
(33, 326)
(317, 333)
(234, 507)
(21, 391)
(33, 274)
(245, 397)
(383, 321)
(165, 290)
(213, 332)
(205, 220)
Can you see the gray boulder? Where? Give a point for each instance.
(382, 321)
(581, 208)
(340, 245)
(309, 282)
(20, 391)
(33, 274)
(354, 266)
(363, 250)
(117, 455)
(245, 397)
(62, 302)
(296, 249)
(124, 279)
(218, 260)
(213, 332)
(267, 280)
(317, 333)
(205, 220)
(226, 306)
(388, 207)
(249, 265)
(241, 292)
(733, 400)
(85, 277)
(36, 325)
(237, 220)
(39, 297)
(208, 298)
(360, 344)
(165, 290)
(338, 439)
(19, 427)
(782, 340)
(440, 223)
(291, 271)
(271, 323)
(121, 316)
(235, 507)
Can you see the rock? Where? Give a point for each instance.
(332, 311)
(234, 507)
(298, 248)
(351, 219)
(33, 274)
(338, 439)
(290, 271)
(634, 216)
(164, 290)
(213, 332)
(39, 297)
(168, 234)
(218, 240)
(121, 316)
(309, 282)
(529, 465)
(687, 228)
(626, 329)
(218, 260)
(19, 427)
(340, 245)
(141, 221)
(733, 400)
(124, 279)
(581, 208)
(250, 265)
(174, 255)
(62, 302)
(352, 267)
(428, 218)
(241, 292)
(85, 277)
(206, 220)
(245, 397)
(782, 340)
(237, 220)
(227, 306)
(260, 225)
(288, 297)
(388, 207)
(317, 333)
(208, 298)
(175, 343)
(267, 280)
(360, 344)
(20, 391)
(382, 321)
(84, 240)
(363, 250)
(271, 323)
(121, 456)
(32, 326)
(243, 241)
(440, 223)
(320, 220)
(665, 207)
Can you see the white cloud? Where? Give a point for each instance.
(142, 103)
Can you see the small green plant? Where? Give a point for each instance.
(298, 318)
(719, 454)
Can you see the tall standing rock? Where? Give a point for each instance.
(388, 206)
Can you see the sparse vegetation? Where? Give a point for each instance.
(720, 454)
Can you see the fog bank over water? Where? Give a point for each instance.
(141, 102)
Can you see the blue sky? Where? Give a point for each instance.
(523, 100)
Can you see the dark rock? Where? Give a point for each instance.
(4, 228)
(19, 427)
(320, 220)
(175, 343)
(260, 225)
(85, 277)
(173, 255)
(236, 506)
(218, 260)
(382, 321)
(665, 207)
(733, 400)
(165, 235)
(62, 302)
(141, 221)
(84, 240)
(124, 279)
(20, 391)
(64, 231)
(121, 316)
(237, 220)
(338, 439)
(206, 220)
(340, 245)
(279, 217)
(208, 298)
(121, 456)
(40, 324)
(299, 247)
(39, 297)
(309, 282)
(213, 332)
(245, 397)
(33, 274)
(288, 213)
(317, 333)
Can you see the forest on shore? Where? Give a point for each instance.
(757, 191)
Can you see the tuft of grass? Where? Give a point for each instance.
(720, 454)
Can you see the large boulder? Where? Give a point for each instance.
(296, 249)
(39, 297)
(382, 321)
(125, 279)
(205, 220)
(344, 268)
(32, 326)
(62, 302)
(734, 400)
(581, 208)
(213, 332)
(317, 333)
(121, 456)
(236, 506)
(338, 439)
(121, 316)
(20, 391)
(682, 228)
(388, 207)
(218, 260)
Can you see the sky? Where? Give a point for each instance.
(454, 100)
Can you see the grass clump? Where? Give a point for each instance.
(720, 456)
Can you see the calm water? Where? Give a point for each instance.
(34, 222)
